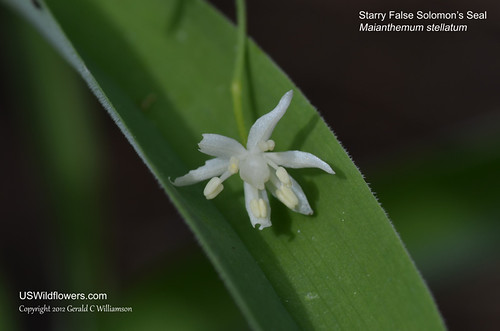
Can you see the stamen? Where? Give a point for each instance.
(265, 146)
(225, 176)
(262, 146)
(286, 195)
(262, 208)
(213, 188)
(275, 180)
(258, 208)
(270, 145)
(283, 176)
(254, 207)
(232, 168)
(272, 164)
(233, 165)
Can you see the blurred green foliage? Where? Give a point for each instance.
(443, 198)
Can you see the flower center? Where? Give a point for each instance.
(254, 170)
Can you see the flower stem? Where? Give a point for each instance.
(236, 84)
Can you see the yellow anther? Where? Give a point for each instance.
(254, 207)
(286, 195)
(262, 208)
(270, 145)
(213, 188)
(233, 165)
(258, 208)
(265, 146)
(283, 176)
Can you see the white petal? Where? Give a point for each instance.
(298, 159)
(251, 193)
(303, 206)
(212, 168)
(220, 146)
(264, 126)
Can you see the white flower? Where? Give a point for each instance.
(259, 168)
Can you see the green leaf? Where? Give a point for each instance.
(162, 69)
